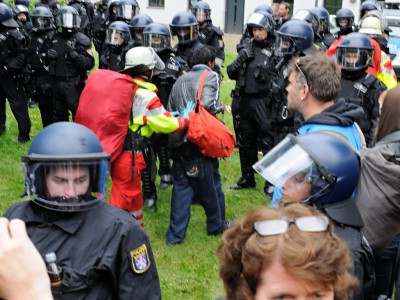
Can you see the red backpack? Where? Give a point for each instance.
(105, 107)
(207, 132)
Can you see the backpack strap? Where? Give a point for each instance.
(200, 88)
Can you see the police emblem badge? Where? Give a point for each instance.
(221, 44)
(140, 259)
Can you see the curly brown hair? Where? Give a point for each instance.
(320, 258)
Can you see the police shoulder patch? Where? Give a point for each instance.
(140, 259)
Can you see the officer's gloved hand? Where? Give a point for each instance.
(189, 107)
(246, 53)
(71, 49)
(52, 53)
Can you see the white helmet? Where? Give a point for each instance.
(371, 26)
(139, 59)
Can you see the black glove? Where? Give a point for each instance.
(52, 53)
(246, 53)
(71, 49)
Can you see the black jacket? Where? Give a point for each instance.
(101, 251)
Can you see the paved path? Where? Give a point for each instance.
(230, 41)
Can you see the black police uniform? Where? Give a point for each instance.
(255, 81)
(12, 61)
(113, 57)
(364, 90)
(186, 50)
(86, 12)
(282, 118)
(103, 252)
(164, 80)
(68, 70)
(212, 36)
(39, 83)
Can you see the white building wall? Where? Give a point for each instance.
(165, 15)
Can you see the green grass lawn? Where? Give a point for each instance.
(187, 271)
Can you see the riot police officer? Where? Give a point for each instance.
(254, 70)
(86, 13)
(324, 26)
(157, 36)
(358, 87)
(345, 21)
(12, 61)
(70, 58)
(117, 43)
(294, 38)
(137, 25)
(185, 27)
(311, 18)
(43, 31)
(21, 16)
(66, 172)
(208, 33)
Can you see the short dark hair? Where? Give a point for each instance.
(203, 56)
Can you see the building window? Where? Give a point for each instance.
(156, 3)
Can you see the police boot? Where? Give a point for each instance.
(164, 168)
(247, 179)
(149, 191)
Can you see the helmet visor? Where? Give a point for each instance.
(286, 161)
(156, 41)
(68, 20)
(201, 14)
(66, 185)
(126, 11)
(116, 37)
(287, 45)
(42, 22)
(353, 58)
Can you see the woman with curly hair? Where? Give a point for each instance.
(285, 253)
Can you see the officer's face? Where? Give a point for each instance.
(276, 283)
(117, 39)
(351, 58)
(260, 33)
(67, 181)
(21, 16)
(343, 22)
(296, 188)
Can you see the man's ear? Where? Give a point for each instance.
(211, 64)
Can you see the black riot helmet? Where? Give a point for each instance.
(345, 20)
(125, 10)
(118, 34)
(202, 11)
(137, 25)
(264, 8)
(6, 16)
(22, 2)
(310, 17)
(68, 19)
(21, 9)
(66, 168)
(368, 6)
(295, 37)
(354, 53)
(184, 25)
(323, 160)
(42, 19)
(261, 19)
(157, 36)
